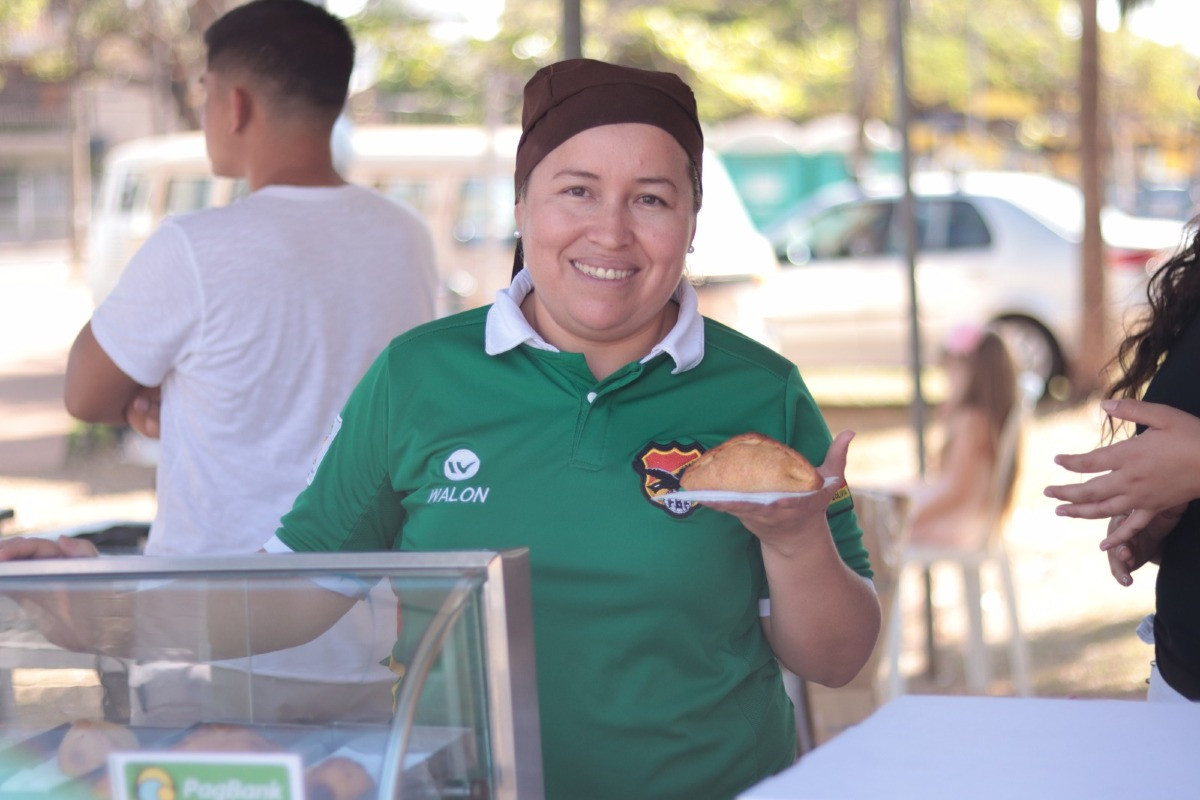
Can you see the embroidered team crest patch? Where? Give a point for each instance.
(659, 466)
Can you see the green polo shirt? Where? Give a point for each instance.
(654, 677)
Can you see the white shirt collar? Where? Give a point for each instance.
(507, 327)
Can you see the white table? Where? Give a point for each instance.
(932, 747)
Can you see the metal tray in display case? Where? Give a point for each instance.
(148, 656)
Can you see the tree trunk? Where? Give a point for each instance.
(858, 162)
(81, 175)
(81, 151)
(1094, 351)
(572, 29)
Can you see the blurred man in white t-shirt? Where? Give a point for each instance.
(235, 335)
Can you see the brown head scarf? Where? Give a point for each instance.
(571, 96)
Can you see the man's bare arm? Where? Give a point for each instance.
(184, 619)
(96, 389)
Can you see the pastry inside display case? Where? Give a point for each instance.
(459, 721)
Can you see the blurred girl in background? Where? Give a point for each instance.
(949, 510)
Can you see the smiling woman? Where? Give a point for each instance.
(660, 626)
(605, 246)
(606, 206)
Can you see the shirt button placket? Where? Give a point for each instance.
(590, 432)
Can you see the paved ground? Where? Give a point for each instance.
(1079, 622)
(42, 306)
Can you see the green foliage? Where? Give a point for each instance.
(421, 77)
(1151, 85)
(140, 41)
(52, 65)
(794, 59)
(19, 15)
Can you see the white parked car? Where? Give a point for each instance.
(998, 248)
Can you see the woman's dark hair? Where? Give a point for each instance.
(1173, 292)
(304, 52)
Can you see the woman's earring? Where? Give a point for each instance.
(691, 248)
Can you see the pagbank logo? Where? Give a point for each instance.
(459, 466)
(154, 783)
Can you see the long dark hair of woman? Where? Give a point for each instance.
(1173, 292)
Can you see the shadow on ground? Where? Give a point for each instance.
(1083, 659)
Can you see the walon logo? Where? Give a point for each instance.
(461, 465)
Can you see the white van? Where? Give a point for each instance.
(458, 176)
(145, 180)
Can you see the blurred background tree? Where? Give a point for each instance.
(994, 83)
(152, 43)
(1094, 145)
(999, 68)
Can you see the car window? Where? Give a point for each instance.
(850, 230)
(944, 224)
(485, 211)
(1169, 203)
(967, 228)
(931, 227)
(134, 190)
(412, 192)
(186, 194)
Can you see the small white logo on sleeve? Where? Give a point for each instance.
(324, 448)
(461, 465)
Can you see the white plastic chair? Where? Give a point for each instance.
(881, 513)
(990, 550)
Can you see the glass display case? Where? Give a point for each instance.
(119, 674)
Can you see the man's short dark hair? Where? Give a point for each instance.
(302, 50)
